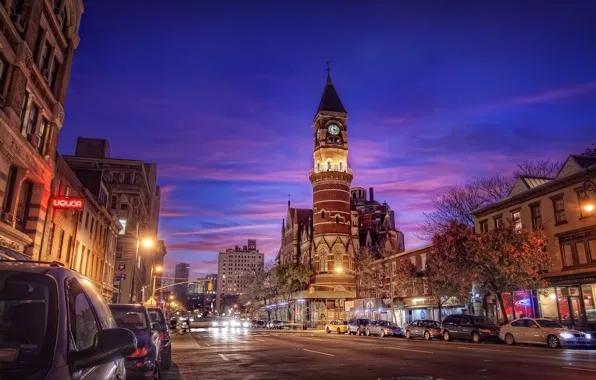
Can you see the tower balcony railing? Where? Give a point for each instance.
(331, 168)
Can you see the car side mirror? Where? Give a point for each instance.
(154, 325)
(108, 345)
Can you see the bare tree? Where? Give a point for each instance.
(369, 279)
(541, 169)
(591, 151)
(458, 202)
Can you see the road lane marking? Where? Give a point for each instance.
(224, 357)
(481, 349)
(317, 352)
(407, 349)
(581, 369)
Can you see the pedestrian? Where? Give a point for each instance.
(187, 320)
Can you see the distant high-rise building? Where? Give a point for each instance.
(233, 267)
(181, 274)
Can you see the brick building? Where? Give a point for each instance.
(342, 220)
(37, 44)
(134, 198)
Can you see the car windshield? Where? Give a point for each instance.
(483, 320)
(130, 318)
(156, 315)
(28, 308)
(344, 322)
(389, 324)
(549, 324)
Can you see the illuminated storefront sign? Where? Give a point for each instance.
(67, 203)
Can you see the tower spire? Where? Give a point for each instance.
(330, 100)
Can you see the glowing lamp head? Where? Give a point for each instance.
(147, 242)
(339, 269)
(158, 269)
(589, 207)
(587, 202)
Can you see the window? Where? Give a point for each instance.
(32, 119)
(43, 131)
(498, 221)
(82, 320)
(3, 70)
(50, 239)
(119, 250)
(580, 249)
(123, 206)
(128, 177)
(44, 60)
(23, 205)
(37, 51)
(323, 214)
(60, 242)
(484, 226)
(24, 110)
(337, 220)
(516, 219)
(10, 188)
(518, 323)
(567, 255)
(113, 202)
(581, 194)
(323, 267)
(536, 216)
(123, 230)
(54, 74)
(63, 20)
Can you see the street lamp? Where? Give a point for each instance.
(339, 270)
(157, 269)
(171, 296)
(587, 201)
(146, 242)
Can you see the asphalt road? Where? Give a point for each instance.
(243, 354)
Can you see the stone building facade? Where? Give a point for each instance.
(554, 205)
(38, 39)
(82, 239)
(134, 198)
(328, 236)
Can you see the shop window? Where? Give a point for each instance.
(589, 291)
(547, 299)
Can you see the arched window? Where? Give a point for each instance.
(318, 166)
(329, 165)
(341, 166)
(323, 265)
(323, 214)
(337, 220)
(338, 260)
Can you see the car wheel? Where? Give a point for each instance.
(427, 335)
(509, 339)
(446, 336)
(476, 338)
(408, 334)
(338, 331)
(328, 331)
(382, 333)
(156, 374)
(552, 341)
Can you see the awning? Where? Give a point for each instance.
(9, 254)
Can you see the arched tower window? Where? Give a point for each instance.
(329, 165)
(338, 260)
(323, 264)
(341, 166)
(337, 220)
(323, 214)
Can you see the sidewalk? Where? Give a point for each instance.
(183, 342)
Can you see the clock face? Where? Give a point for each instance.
(333, 129)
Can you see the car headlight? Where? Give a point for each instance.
(566, 335)
(213, 323)
(246, 324)
(589, 336)
(224, 323)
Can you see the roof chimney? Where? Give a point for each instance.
(372, 194)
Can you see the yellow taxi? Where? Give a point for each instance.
(340, 327)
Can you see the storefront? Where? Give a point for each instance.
(571, 305)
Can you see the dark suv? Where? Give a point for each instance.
(357, 326)
(143, 363)
(469, 327)
(54, 324)
(165, 347)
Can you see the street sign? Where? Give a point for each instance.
(122, 267)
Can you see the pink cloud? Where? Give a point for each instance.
(556, 94)
(196, 172)
(206, 231)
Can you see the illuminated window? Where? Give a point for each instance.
(516, 219)
(323, 266)
(123, 230)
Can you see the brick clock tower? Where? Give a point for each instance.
(331, 177)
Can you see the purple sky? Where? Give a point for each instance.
(222, 95)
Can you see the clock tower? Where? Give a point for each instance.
(331, 177)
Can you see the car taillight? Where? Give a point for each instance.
(164, 336)
(139, 353)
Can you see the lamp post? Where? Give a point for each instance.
(587, 201)
(154, 277)
(146, 243)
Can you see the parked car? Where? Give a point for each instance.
(469, 327)
(423, 328)
(56, 325)
(165, 346)
(173, 323)
(341, 327)
(357, 326)
(383, 328)
(276, 325)
(143, 363)
(258, 324)
(543, 331)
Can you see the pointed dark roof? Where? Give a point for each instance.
(330, 99)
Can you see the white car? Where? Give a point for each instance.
(543, 331)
